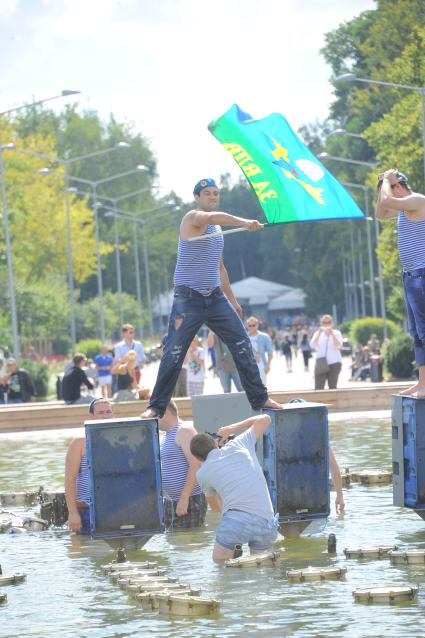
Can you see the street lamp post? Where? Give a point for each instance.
(66, 162)
(325, 155)
(64, 93)
(15, 331)
(94, 184)
(369, 242)
(13, 312)
(340, 132)
(380, 281)
(135, 218)
(350, 77)
(115, 201)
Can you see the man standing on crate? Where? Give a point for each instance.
(202, 294)
(234, 484)
(397, 201)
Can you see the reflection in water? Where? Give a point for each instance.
(66, 594)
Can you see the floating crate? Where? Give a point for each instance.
(187, 605)
(316, 573)
(408, 557)
(117, 567)
(125, 478)
(12, 580)
(296, 461)
(10, 499)
(385, 594)
(255, 560)
(371, 553)
(372, 477)
(150, 601)
(115, 576)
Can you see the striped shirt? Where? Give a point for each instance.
(174, 466)
(411, 243)
(82, 482)
(198, 262)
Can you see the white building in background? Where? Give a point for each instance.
(265, 299)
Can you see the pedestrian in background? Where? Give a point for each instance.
(104, 362)
(195, 368)
(130, 343)
(262, 347)
(306, 350)
(226, 367)
(327, 342)
(20, 388)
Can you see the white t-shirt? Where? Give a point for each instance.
(256, 351)
(325, 347)
(195, 371)
(234, 473)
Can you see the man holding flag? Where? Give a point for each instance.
(202, 294)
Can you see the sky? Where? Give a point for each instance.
(172, 66)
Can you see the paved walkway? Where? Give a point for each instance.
(278, 378)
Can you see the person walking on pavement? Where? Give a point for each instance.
(327, 342)
(262, 347)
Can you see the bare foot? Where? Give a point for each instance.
(273, 405)
(420, 392)
(411, 390)
(150, 413)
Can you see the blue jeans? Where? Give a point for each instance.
(226, 380)
(414, 294)
(190, 310)
(242, 527)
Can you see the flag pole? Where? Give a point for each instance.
(221, 232)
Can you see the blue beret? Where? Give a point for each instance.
(203, 183)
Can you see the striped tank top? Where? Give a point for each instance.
(411, 243)
(198, 262)
(174, 466)
(82, 482)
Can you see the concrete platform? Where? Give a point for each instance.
(46, 416)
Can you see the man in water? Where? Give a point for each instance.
(185, 505)
(397, 201)
(77, 473)
(202, 294)
(234, 484)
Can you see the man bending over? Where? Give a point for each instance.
(233, 482)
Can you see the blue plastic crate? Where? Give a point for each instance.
(413, 428)
(125, 478)
(296, 461)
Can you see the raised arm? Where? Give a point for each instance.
(258, 424)
(200, 218)
(389, 206)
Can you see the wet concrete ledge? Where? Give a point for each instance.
(56, 415)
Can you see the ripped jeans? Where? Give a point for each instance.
(190, 310)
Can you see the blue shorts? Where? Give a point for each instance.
(85, 520)
(242, 527)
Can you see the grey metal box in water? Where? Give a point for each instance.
(408, 445)
(125, 477)
(211, 411)
(296, 461)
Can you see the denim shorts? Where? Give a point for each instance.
(242, 527)
(85, 520)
